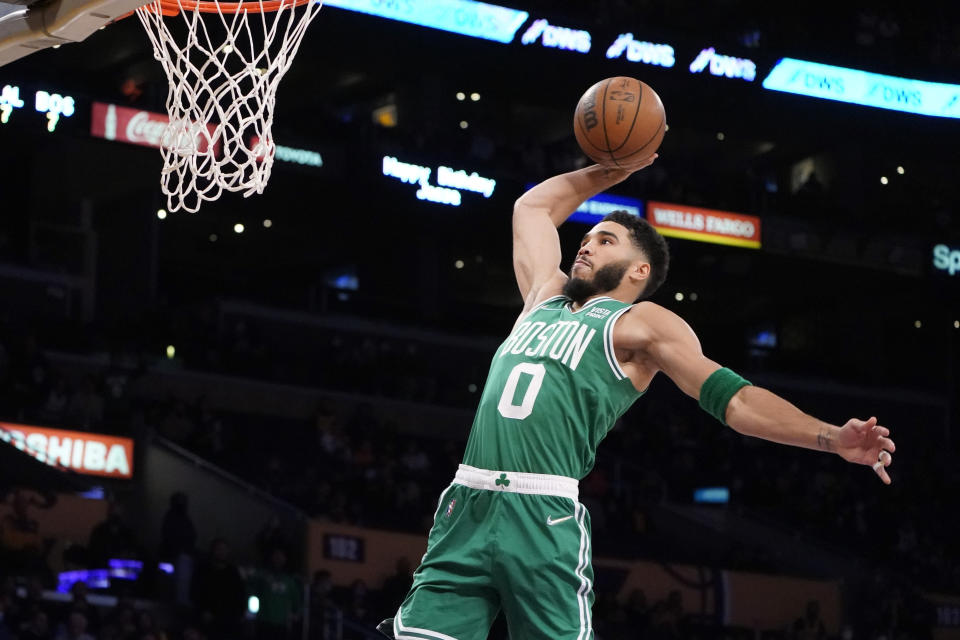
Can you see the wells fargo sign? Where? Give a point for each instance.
(704, 225)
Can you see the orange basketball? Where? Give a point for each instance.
(619, 121)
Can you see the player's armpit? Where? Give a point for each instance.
(663, 340)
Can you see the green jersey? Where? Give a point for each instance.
(553, 392)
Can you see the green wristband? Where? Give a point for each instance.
(717, 390)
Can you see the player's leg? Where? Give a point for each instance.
(453, 596)
(544, 571)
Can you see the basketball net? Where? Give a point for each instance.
(223, 76)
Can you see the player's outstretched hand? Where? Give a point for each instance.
(866, 442)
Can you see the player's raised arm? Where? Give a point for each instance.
(665, 342)
(538, 213)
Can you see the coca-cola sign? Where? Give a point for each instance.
(146, 128)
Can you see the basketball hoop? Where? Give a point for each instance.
(223, 82)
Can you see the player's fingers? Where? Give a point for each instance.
(882, 472)
(880, 466)
(642, 164)
(887, 445)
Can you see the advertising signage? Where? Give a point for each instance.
(146, 128)
(947, 259)
(79, 451)
(659, 55)
(705, 225)
(554, 37)
(466, 17)
(720, 65)
(135, 126)
(593, 210)
(861, 87)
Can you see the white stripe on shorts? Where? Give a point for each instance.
(399, 630)
(583, 593)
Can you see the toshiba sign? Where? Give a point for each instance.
(705, 225)
(87, 453)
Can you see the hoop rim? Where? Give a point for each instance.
(173, 7)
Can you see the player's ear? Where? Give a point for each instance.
(639, 271)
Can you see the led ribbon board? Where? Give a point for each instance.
(661, 55)
(466, 17)
(554, 37)
(861, 87)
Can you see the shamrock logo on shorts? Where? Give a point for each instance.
(502, 481)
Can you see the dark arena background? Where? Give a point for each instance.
(235, 423)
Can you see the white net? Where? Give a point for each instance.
(223, 73)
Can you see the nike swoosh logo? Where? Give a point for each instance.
(551, 521)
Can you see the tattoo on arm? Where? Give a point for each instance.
(823, 440)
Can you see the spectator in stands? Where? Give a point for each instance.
(323, 610)
(193, 633)
(177, 424)
(79, 603)
(177, 542)
(36, 627)
(112, 538)
(31, 374)
(280, 597)
(668, 617)
(147, 627)
(5, 601)
(85, 409)
(23, 607)
(396, 587)
(21, 546)
(638, 612)
(75, 628)
(358, 603)
(55, 404)
(415, 459)
(122, 622)
(219, 594)
(810, 626)
(269, 538)
(178, 535)
(210, 440)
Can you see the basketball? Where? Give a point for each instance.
(619, 121)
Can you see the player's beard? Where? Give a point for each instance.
(605, 279)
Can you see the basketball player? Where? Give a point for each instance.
(509, 531)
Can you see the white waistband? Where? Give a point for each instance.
(517, 482)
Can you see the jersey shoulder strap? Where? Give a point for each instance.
(554, 302)
(608, 340)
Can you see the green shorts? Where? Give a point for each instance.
(520, 541)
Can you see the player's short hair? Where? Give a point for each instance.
(653, 245)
